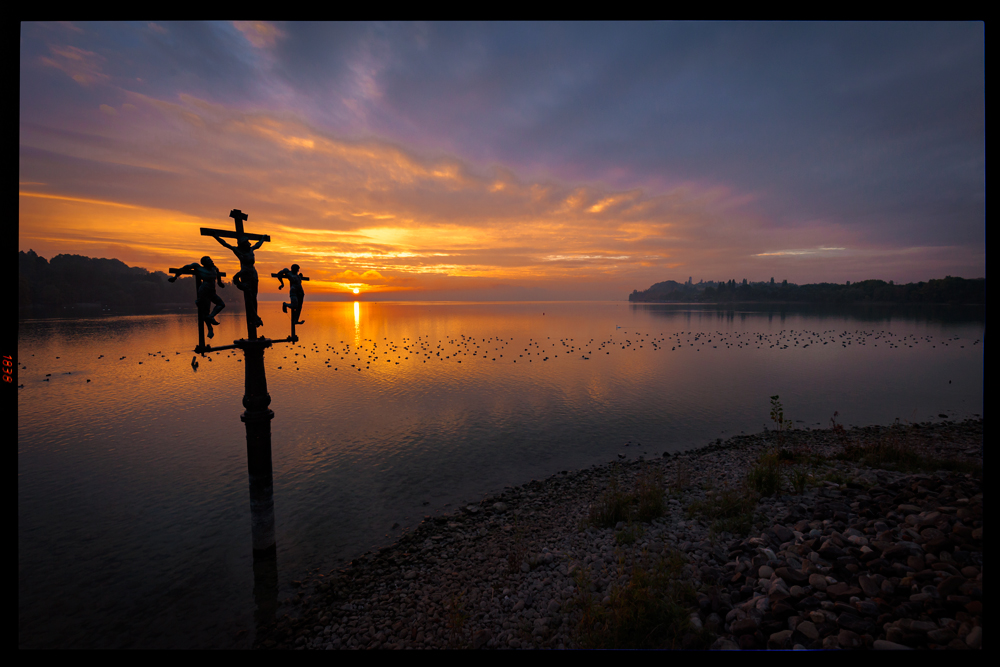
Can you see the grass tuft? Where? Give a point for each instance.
(629, 535)
(729, 510)
(890, 452)
(650, 611)
(765, 477)
(613, 506)
(457, 616)
(644, 503)
(799, 480)
(649, 494)
(517, 551)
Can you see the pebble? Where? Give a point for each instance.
(841, 566)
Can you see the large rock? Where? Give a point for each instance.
(868, 585)
(481, 638)
(818, 582)
(950, 585)
(867, 608)
(743, 627)
(723, 644)
(900, 552)
(792, 576)
(937, 546)
(849, 639)
(854, 623)
(808, 603)
(842, 591)
(782, 533)
(808, 630)
(940, 635)
(779, 640)
(830, 551)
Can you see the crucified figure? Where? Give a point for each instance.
(246, 278)
(207, 274)
(296, 293)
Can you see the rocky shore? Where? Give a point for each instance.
(857, 557)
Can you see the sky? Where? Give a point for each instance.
(510, 161)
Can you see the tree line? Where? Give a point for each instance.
(73, 281)
(949, 290)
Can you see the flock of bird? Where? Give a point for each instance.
(371, 352)
(465, 348)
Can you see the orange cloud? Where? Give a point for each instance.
(260, 34)
(366, 212)
(82, 66)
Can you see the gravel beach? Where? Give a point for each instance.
(857, 557)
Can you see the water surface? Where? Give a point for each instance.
(133, 504)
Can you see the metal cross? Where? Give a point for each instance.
(238, 216)
(249, 299)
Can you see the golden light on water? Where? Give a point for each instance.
(357, 324)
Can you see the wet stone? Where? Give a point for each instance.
(950, 585)
(868, 585)
(849, 639)
(808, 630)
(941, 635)
(779, 640)
(867, 608)
(842, 591)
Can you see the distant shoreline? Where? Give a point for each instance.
(938, 291)
(850, 304)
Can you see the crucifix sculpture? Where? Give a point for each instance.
(257, 416)
(205, 275)
(246, 278)
(295, 292)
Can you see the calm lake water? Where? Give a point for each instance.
(133, 501)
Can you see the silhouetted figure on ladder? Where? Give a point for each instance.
(246, 279)
(207, 274)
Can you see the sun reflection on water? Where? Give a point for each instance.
(357, 324)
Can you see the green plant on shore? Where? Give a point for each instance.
(613, 506)
(740, 524)
(884, 453)
(517, 550)
(733, 510)
(891, 453)
(838, 429)
(682, 479)
(778, 417)
(729, 510)
(649, 494)
(765, 476)
(835, 476)
(651, 610)
(787, 455)
(799, 480)
(629, 535)
(457, 616)
(644, 503)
